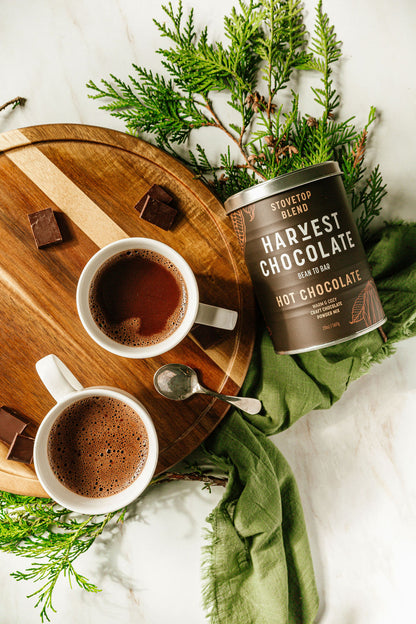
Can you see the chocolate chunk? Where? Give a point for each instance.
(11, 423)
(21, 449)
(45, 228)
(155, 192)
(207, 336)
(158, 213)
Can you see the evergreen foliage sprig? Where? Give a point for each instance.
(52, 537)
(265, 46)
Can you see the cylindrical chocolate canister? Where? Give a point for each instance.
(306, 259)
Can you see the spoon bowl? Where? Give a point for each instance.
(176, 381)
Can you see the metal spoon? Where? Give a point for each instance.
(178, 382)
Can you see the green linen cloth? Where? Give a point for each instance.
(257, 564)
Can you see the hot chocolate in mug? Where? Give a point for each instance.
(96, 450)
(138, 298)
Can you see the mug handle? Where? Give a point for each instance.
(216, 317)
(57, 377)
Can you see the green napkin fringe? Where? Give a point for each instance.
(368, 358)
(211, 540)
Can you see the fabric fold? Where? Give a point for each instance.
(258, 564)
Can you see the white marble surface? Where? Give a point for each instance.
(355, 464)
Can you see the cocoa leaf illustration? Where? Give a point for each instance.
(251, 211)
(239, 226)
(366, 306)
(358, 308)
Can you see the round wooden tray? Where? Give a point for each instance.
(92, 178)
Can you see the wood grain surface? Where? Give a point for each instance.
(92, 178)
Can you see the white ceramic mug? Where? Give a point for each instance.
(196, 312)
(67, 390)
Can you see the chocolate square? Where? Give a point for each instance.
(21, 449)
(155, 192)
(158, 213)
(11, 423)
(45, 228)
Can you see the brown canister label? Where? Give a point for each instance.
(308, 266)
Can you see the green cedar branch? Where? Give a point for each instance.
(53, 537)
(265, 45)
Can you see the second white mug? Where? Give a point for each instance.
(88, 441)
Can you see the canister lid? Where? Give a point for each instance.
(280, 184)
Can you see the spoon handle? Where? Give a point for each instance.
(251, 406)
